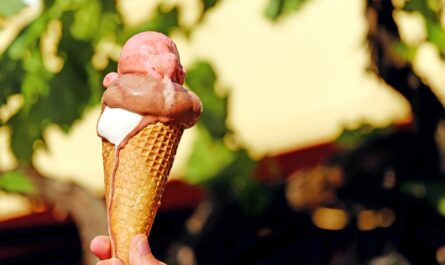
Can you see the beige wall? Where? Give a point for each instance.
(294, 83)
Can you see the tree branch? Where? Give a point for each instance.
(383, 35)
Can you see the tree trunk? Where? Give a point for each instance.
(87, 211)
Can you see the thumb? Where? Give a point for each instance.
(140, 252)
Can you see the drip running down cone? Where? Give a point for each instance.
(144, 165)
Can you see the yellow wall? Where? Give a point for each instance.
(297, 82)
(294, 83)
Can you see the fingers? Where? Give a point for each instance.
(109, 78)
(140, 252)
(112, 261)
(101, 247)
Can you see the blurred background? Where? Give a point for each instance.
(321, 141)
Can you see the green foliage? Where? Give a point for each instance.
(60, 95)
(211, 162)
(15, 181)
(405, 51)
(252, 195)
(431, 12)
(55, 97)
(201, 78)
(10, 7)
(165, 21)
(207, 5)
(426, 8)
(236, 182)
(208, 157)
(277, 8)
(351, 138)
(432, 191)
(10, 85)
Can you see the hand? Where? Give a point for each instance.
(140, 253)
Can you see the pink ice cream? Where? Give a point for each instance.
(152, 54)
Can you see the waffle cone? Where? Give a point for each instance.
(134, 196)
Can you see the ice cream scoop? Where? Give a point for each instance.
(144, 112)
(152, 54)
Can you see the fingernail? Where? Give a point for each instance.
(142, 245)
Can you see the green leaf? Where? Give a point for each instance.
(432, 191)
(404, 51)
(201, 78)
(253, 196)
(35, 81)
(15, 181)
(293, 5)
(436, 35)
(420, 6)
(10, 7)
(274, 9)
(95, 83)
(237, 180)
(350, 138)
(165, 21)
(209, 156)
(95, 20)
(25, 131)
(414, 5)
(86, 20)
(207, 5)
(11, 75)
(277, 8)
(28, 38)
(429, 9)
(435, 5)
(56, 98)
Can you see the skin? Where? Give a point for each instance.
(140, 252)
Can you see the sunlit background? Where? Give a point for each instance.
(302, 99)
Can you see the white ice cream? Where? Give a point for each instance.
(115, 124)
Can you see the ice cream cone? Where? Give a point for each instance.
(140, 171)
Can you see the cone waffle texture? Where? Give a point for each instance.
(142, 169)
